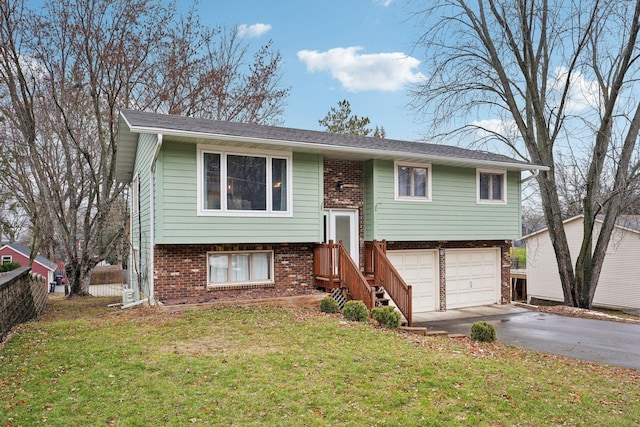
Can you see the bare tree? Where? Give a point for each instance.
(207, 72)
(66, 69)
(562, 74)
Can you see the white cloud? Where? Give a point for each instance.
(582, 94)
(486, 128)
(359, 72)
(255, 30)
(384, 3)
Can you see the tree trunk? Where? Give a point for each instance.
(553, 216)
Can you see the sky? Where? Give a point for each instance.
(358, 50)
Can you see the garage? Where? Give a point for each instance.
(472, 277)
(419, 268)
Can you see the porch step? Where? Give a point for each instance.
(382, 302)
(381, 299)
(338, 295)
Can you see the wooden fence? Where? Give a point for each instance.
(23, 297)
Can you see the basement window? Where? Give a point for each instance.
(240, 268)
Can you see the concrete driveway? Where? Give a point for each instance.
(601, 341)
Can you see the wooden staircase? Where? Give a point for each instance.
(335, 271)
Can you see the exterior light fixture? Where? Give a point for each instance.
(340, 186)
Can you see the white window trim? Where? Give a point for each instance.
(7, 259)
(225, 151)
(223, 285)
(399, 198)
(504, 187)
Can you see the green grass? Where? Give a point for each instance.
(85, 364)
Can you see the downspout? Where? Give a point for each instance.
(152, 219)
(534, 174)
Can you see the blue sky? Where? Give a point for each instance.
(358, 50)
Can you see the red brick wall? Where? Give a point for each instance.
(351, 173)
(181, 272)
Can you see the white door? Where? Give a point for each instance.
(419, 268)
(342, 224)
(473, 277)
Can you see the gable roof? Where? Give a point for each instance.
(27, 252)
(132, 123)
(624, 222)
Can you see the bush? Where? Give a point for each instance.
(483, 331)
(386, 316)
(329, 305)
(8, 266)
(356, 311)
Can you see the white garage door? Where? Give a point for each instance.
(419, 268)
(473, 277)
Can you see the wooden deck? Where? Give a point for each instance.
(518, 285)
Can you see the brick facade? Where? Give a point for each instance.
(351, 174)
(181, 272)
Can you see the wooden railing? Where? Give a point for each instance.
(385, 274)
(332, 262)
(325, 265)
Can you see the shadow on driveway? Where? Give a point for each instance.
(602, 341)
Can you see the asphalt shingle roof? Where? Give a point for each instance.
(144, 119)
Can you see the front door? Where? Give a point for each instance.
(342, 224)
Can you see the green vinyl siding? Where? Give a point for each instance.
(141, 224)
(178, 221)
(452, 214)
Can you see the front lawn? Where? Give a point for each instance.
(86, 364)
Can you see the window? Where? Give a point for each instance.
(413, 182)
(240, 267)
(249, 184)
(492, 186)
(6, 259)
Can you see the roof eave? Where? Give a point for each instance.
(337, 148)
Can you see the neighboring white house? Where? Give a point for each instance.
(619, 285)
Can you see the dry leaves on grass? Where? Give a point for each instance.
(564, 310)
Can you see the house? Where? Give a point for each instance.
(618, 286)
(225, 210)
(15, 252)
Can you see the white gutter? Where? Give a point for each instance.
(335, 148)
(534, 174)
(152, 222)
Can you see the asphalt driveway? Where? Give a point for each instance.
(602, 341)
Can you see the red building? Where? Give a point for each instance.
(15, 252)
